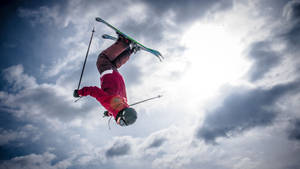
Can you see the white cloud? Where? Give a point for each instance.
(27, 132)
(35, 101)
(8, 136)
(18, 80)
(33, 161)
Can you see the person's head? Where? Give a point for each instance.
(126, 117)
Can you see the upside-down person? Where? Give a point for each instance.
(112, 94)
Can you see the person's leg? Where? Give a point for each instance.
(107, 57)
(122, 58)
(115, 50)
(103, 63)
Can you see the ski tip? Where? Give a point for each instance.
(105, 36)
(99, 19)
(159, 56)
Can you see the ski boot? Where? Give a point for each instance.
(123, 39)
(132, 46)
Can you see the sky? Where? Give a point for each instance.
(230, 82)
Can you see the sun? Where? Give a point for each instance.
(215, 56)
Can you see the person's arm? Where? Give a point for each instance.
(91, 91)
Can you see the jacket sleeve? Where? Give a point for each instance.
(92, 91)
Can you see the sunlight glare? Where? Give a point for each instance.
(215, 58)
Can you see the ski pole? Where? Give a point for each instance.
(137, 103)
(87, 53)
(145, 100)
(78, 99)
(132, 105)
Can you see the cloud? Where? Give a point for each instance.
(167, 17)
(294, 130)
(8, 136)
(48, 15)
(15, 76)
(26, 132)
(292, 32)
(264, 59)
(186, 11)
(158, 138)
(270, 8)
(281, 42)
(34, 161)
(119, 148)
(243, 109)
(39, 100)
(157, 143)
(292, 10)
(30, 161)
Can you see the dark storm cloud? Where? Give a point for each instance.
(141, 29)
(292, 34)
(271, 8)
(156, 142)
(183, 13)
(261, 53)
(293, 37)
(186, 11)
(294, 130)
(242, 110)
(293, 10)
(118, 149)
(264, 59)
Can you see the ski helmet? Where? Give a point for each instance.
(128, 116)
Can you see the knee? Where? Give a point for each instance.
(103, 63)
(101, 57)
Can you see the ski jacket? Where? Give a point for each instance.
(111, 95)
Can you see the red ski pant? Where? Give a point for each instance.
(113, 57)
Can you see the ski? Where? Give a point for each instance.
(154, 52)
(105, 36)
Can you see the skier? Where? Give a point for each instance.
(112, 94)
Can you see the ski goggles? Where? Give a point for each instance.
(122, 121)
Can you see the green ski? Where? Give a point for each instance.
(142, 47)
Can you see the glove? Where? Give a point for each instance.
(75, 93)
(105, 114)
